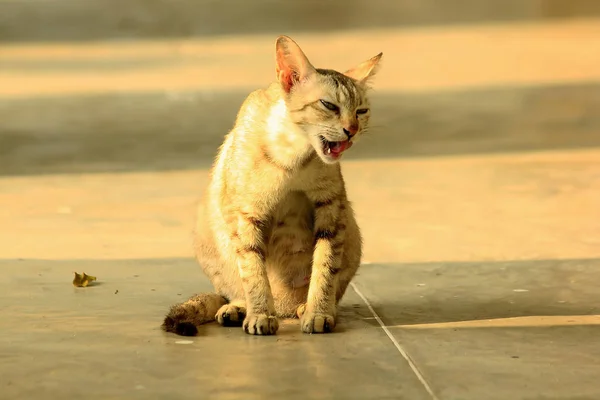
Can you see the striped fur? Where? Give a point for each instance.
(275, 232)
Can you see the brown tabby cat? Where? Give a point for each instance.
(276, 234)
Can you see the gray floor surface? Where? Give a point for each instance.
(104, 341)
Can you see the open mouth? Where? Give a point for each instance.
(335, 149)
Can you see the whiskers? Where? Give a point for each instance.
(332, 132)
(369, 130)
(313, 124)
(325, 129)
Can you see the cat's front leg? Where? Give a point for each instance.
(250, 253)
(319, 313)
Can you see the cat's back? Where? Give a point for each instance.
(242, 150)
(250, 118)
(256, 107)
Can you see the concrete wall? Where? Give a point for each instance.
(72, 20)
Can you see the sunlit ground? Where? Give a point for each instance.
(478, 196)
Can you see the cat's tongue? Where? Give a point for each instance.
(336, 148)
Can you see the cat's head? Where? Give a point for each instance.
(331, 107)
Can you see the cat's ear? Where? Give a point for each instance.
(292, 64)
(366, 70)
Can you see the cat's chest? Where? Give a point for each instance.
(305, 180)
(313, 177)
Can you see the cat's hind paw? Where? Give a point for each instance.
(231, 315)
(300, 310)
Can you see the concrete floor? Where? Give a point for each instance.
(478, 195)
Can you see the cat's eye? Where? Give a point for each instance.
(330, 106)
(361, 111)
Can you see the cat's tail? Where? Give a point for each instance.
(184, 318)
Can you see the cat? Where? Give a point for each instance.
(275, 233)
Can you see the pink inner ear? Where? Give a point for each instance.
(287, 78)
(285, 74)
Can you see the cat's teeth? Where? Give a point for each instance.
(328, 150)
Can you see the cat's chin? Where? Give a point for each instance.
(327, 159)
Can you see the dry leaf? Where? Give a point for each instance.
(82, 280)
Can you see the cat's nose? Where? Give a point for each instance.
(351, 131)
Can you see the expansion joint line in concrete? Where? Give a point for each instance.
(401, 349)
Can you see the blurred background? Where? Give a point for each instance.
(111, 85)
(477, 193)
(113, 111)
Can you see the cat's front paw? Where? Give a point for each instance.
(260, 324)
(317, 322)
